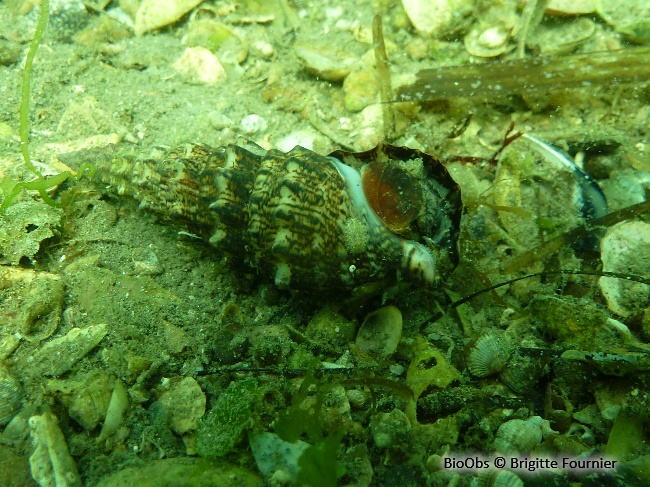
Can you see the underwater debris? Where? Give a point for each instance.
(625, 248)
(223, 427)
(501, 78)
(11, 396)
(183, 471)
(117, 406)
(59, 355)
(154, 14)
(23, 228)
(380, 332)
(51, 463)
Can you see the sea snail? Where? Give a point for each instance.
(301, 219)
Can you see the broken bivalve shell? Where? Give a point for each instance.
(522, 372)
(380, 332)
(51, 463)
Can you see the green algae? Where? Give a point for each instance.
(222, 429)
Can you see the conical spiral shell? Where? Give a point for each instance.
(298, 218)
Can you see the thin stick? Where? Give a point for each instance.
(383, 73)
(502, 78)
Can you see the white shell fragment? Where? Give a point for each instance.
(487, 42)
(154, 14)
(59, 355)
(87, 397)
(200, 66)
(184, 405)
(626, 249)
(51, 463)
(253, 123)
(435, 17)
(115, 413)
(380, 332)
(325, 63)
(571, 7)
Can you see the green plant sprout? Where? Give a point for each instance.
(12, 187)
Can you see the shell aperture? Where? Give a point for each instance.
(392, 193)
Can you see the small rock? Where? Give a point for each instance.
(437, 17)
(154, 14)
(389, 428)
(264, 49)
(371, 127)
(10, 52)
(219, 121)
(184, 404)
(252, 124)
(626, 249)
(201, 66)
(329, 328)
(361, 89)
(51, 463)
(86, 397)
(325, 63)
(270, 345)
(304, 138)
(273, 455)
(145, 262)
(59, 355)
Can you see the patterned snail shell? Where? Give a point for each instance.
(300, 219)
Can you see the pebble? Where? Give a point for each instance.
(626, 249)
(390, 428)
(264, 49)
(219, 121)
(361, 89)
(184, 404)
(325, 63)
(571, 7)
(253, 123)
(154, 14)
(436, 17)
(303, 138)
(201, 66)
(59, 355)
